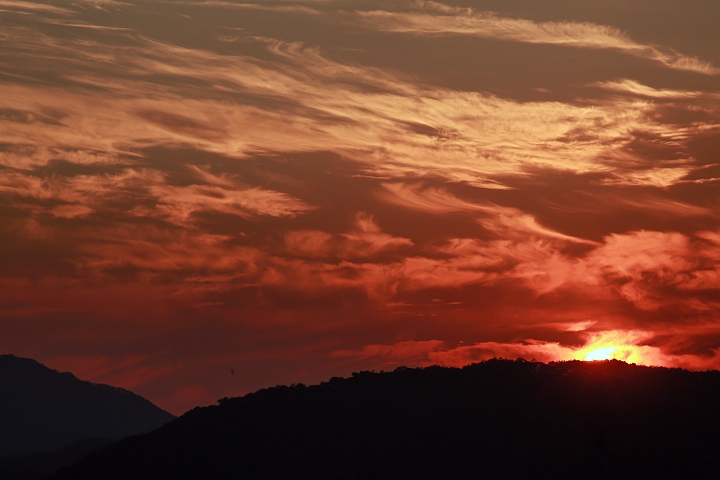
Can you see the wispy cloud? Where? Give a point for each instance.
(438, 19)
(634, 87)
(649, 270)
(179, 203)
(20, 6)
(505, 222)
(82, 194)
(276, 8)
(404, 130)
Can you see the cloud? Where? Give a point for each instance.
(650, 270)
(277, 8)
(71, 211)
(511, 223)
(634, 87)
(431, 200)
(438, 19)
(643, 263)
(368, 240)
(17, 5)
(400, 353)
(180, 203)
(662, 206)
(655, 177)
(177, 204)
(81, 189)
(310, 243)
(379, 281)
(396, 128)
(151, 250)
(365, 241)
(28, 157)
(463, 262)
(505, 222)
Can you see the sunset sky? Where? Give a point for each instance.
(200, 199)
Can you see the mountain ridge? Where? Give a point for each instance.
(495, 419)
(42, 409)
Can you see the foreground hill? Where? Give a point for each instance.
(496, 419)
(43, 410)
(40, 465)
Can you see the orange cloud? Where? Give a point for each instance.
(405, 129)
(648, 269)
(445, 20)
(13, 5)
(83, 194)
(504, 221)
(368, 239)
(179, 203)
(156, 250)
(626, 85)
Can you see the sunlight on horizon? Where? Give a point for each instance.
(605, 353)
(627, 346)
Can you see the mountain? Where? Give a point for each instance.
(43, 410)
(39, 465)
(496, 419)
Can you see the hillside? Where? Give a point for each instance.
(43, 410)
(496, 419)
(40, 465)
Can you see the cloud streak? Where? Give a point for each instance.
(438, 19)
(465, 137)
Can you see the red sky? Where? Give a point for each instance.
(200, 199)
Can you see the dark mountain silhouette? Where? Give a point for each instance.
(39, 465)
(42, 409)
(496, 419)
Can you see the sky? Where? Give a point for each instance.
(199, 199)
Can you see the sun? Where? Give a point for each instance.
(624, 345)
(604, 353)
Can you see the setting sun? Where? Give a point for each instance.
(604, 353)
(625, 345)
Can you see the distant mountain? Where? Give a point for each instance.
(42, 409)
(496, 419)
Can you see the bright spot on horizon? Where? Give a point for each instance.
(604, 353)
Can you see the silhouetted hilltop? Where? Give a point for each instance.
(496, 419)
(42, 409)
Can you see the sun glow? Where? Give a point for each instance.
(620, 345)
(605, 353)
